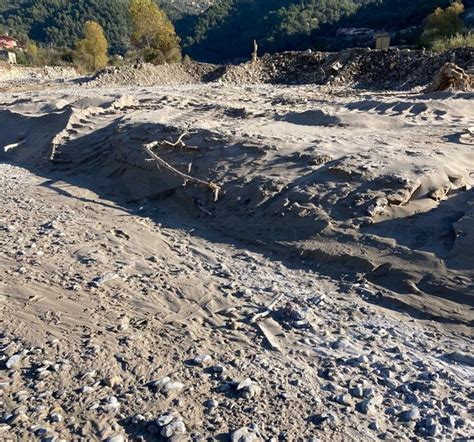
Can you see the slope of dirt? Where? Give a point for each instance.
(326, 294)
(338, 182)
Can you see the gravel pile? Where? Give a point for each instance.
(146, 74)
(365, 68)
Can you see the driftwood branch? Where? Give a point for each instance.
(179, 141)
(214, 188)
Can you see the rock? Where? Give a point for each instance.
(14, 361)
(203, 360)
(323, 419)
(113, 381)
(243, 434)
(374, 426)
(56, 417)
(115, 438)
(174, 428)
(410, 415)
(165, 419)
(368, 406)
(211, 403)
(101, 280)
(113, 402)
(249, 388)
(172, 387)
(451, 77)
(461, 358)
(357, 391)
(218, 369)
(343, 399)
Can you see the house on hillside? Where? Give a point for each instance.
(7, 42)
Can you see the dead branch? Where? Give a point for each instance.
(179, 141)
(214, 188)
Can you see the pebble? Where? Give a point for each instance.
(14, 361)
(115, 438)
(325, 419)
(56, 417)
(211, 403)
(203, 360)
(410, 415)
(249, 388)
(165, 419)
(174, 428)
(243, 434)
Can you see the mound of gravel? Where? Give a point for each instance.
(364, 68)
(146, 74)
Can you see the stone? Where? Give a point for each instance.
(249, 388)
(56, 417)
(329, 419)
(165, 419)
(172, 387)
(218, 369)
(14, 361)
(113, 381)
(343, 399)
(368, 406)
(243, 434)
(203, 360)
(174, 428)
(211, 403)
(115, 438)
(410, 415)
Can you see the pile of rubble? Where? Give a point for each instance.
(365, 68)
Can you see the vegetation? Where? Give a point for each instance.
(59, 23)
(453, 42)
(91, 51)
(442, 24)
(227, 29)
(153, 35)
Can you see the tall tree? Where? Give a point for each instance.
(153, 33)
(443, 23)
(91, 51)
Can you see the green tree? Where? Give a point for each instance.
(443, 23)
(153, 34)
(91, 51)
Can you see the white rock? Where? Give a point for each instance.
(14, 361)
(174, 428)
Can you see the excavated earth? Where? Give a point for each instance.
(325, 292)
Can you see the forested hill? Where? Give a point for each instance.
(227, 29)
(60, 22)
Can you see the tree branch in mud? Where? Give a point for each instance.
(214, 188)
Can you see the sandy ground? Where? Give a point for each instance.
(326, 294)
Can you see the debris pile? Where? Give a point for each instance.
(365, 68)
(452, 78)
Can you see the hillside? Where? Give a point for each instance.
(60, 22)
(227, 29)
